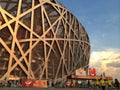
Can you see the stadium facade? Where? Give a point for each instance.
(40, 39)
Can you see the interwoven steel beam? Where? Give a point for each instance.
(40, 39)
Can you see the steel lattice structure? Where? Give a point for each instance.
(40, 39)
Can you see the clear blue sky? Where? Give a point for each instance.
(101, 19)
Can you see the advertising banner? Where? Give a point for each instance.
(90, 77)
(92, 71)
(80, 71)
(30, 83)
(40, 84)
(27, 83)
(85, 77)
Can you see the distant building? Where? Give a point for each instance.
(40, 39)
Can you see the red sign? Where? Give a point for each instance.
(40, 84)
(30, 83)
(27, 83)
(90, 77)
(86, 77)
(92, 71)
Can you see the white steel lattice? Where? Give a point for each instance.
(40, 39)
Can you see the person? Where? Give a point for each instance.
(97, 84)
(74, 83)
(102, 83)
(79, 83)
(117, 84)
(68, 84)
(50, 83)
(109, 84)
(89, 84)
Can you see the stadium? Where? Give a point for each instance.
(40, 39)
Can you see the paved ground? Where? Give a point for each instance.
(50, 89)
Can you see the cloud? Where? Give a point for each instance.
(114, 64)
(117, 57)
(105, 61)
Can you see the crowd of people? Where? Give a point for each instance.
(107, 83)
(98, 84)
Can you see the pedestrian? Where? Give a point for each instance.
(109, 84)
(50, 83)
(102, 83)
(97, 84)
(89, 84)
(74, 83)
(117, 84)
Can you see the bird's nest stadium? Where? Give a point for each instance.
(40, 39)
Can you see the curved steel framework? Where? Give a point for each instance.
(40, 39)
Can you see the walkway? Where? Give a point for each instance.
(49, 89)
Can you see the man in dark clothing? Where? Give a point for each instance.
(117, 84)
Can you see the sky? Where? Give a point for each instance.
(101, 19)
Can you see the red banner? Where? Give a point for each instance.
(40, 84)
(27, 83)
(86, 77)
(30, 83)
(92, 71)
(90, 77)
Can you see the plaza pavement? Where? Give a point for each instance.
(50, 89)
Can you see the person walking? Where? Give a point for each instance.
(102, 83)
(109, 84)
(97, 84)
(117, 84)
